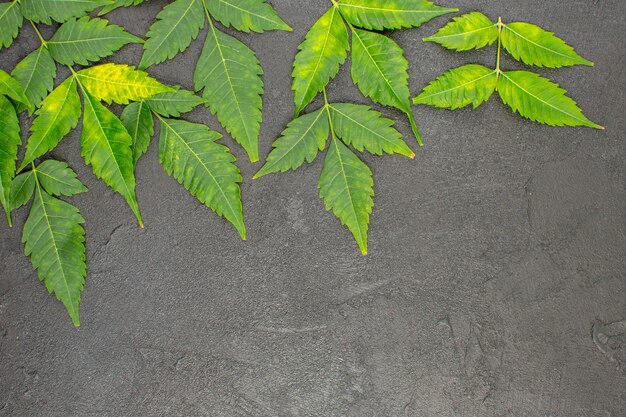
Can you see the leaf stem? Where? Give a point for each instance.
(41, 39)
(330, 119)
(500, 26)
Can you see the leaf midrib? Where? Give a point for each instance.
(459, 86)
(348, 189)
(247, 11)
(579, 59)
(434, 37)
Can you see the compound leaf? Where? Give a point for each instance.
(176, 26)
(534, 46)
(460, 87)
(58, 114)
(246, 15)
(36, 74)
(11, 88)
(54, 239)
(301, 141)
(175, 103)
(347, 187)
(390, 14)
(319, 58)
(105, 145)
(189, 153)
(59, 179)
(117, 4)
(137, 120)
(10, 21)
(44, 11)
(365, 129)
(540, 100)
(22, 189)
(469, 31)
(9, 142)
(230, 74)
(83, 40)
(119, 83)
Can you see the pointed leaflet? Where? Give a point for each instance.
(119, 83)
(9, 142)
(390, 14)
(83, 40)
(189, 153)
(10, 22)
(365, 129)
(138, 122)
(380, 71)
(59, 179)
(174, 103)
(301, 141)
(36, 74)
(460, 87)
(58, 114)
(535, 46)
(22, 189)
(176, 26)
(105, 145)
(347, 187)
(44, 11)
(11, 88)
(540, 100)
(246, 15)
(230, 74)
(117, 4)
(470, 31)
(54, 239)
(320, 55)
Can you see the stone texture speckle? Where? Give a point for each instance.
(495, 284)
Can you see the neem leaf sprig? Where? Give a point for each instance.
(527, 93)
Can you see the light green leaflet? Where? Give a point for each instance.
(117, 4)
(10, 21)
(83, 40)
(53, 235)
(227, 70)
(11, 88)
(532, 96)
(36, 74)
(44, 11)
(137, 120)
(390, 14)
(9, 143)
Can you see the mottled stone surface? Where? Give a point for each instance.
(493, 255)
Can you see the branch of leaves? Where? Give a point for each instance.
(527, 93)
(346, 184)
(378, 67)
(227, 71)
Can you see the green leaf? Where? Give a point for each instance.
(36, 74)
(365, 129)
(11, 88)
(44, 11)
(22, 189)
(469, 31)
(246, 15)
(380, 71)
(106, 145)
(230, 74)
(535, 46)
(319, 58)
(301, 141)
(119, 83)
(540, 100)
(390, 14)
(117, 4)
(175, 103)
(189, 153)
(460, 87)
(138, 121)
(176, 26)
(10, 22)
(9, 142)
(58, 114)
(83, 40)
(59, 179)
(54, 239)
(347, 187)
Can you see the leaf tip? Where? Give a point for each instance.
(412, 156)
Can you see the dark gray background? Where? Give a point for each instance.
(492, 254)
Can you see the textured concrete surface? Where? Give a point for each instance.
(495, 257)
